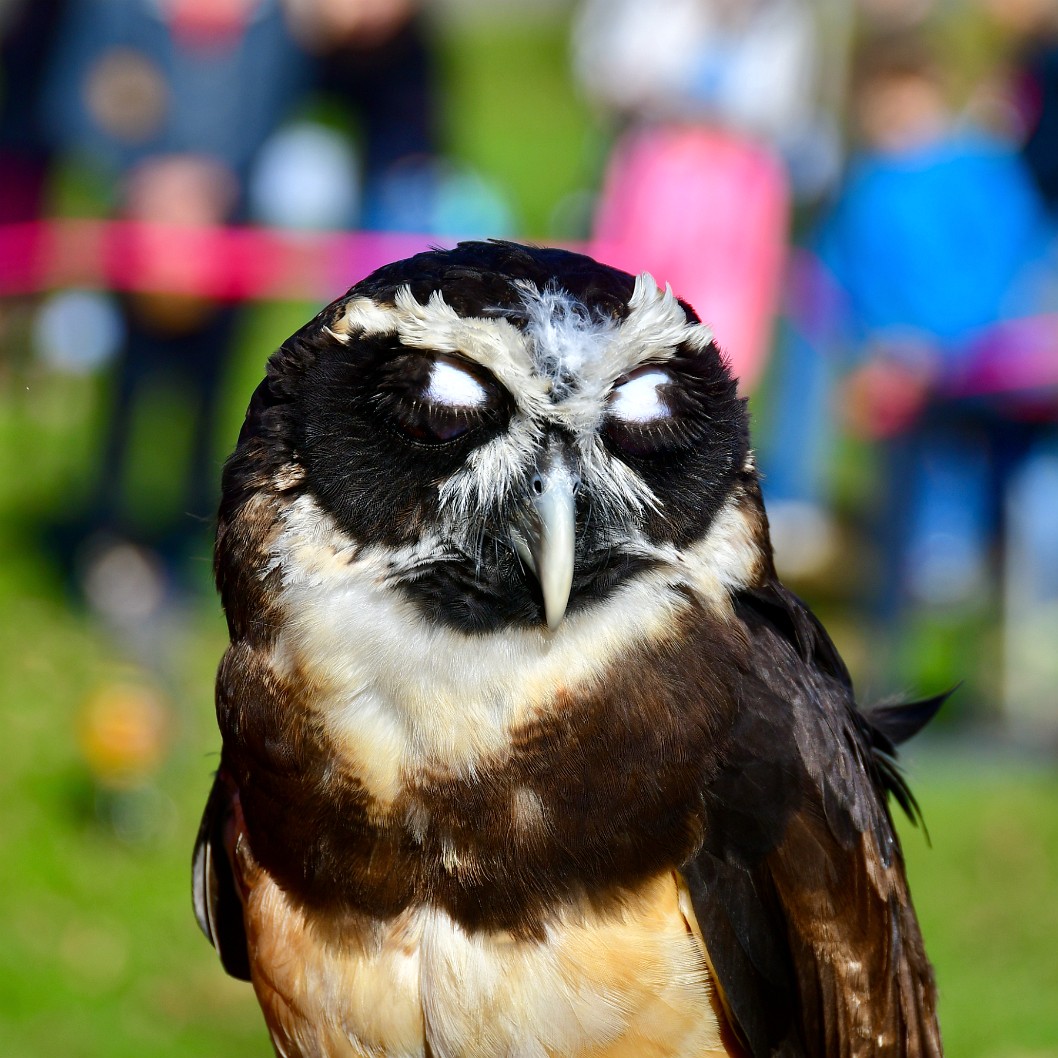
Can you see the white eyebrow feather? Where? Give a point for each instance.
(657, 322)
(569, 341)
(566, 338)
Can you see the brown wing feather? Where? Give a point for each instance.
(800, 887)
(218, 906)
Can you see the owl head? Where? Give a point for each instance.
(519, 432)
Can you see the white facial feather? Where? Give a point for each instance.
(564, 365)
(495, 344)
(492, 472)
(560, 370)
(729, 557)
(364, 316)
(567, 341)
(657, 323)
(399, 694)
(615, 488)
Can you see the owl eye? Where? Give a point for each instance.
(434, 399)
(638, 398)
(453, 387)
(640, 419)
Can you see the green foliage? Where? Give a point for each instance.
(101, 956)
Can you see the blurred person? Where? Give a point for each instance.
(714, 103)
(169, 101)
(937, 230)
(887, 16)
(753, 67)
(1032, 28)
(377, 60)
(733, 110)
(28, 30)
(942, 260)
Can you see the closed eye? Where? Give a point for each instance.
(639, 398)
(454, 387)
(433, 399)
(644, 415)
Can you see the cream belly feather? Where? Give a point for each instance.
(629, 983)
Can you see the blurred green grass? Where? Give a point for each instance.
(987, 897)
(100, 956)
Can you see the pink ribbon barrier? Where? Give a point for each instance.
(221, 263)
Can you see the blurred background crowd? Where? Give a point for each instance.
(859, 196)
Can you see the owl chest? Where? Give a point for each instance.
(491, 797)
(630, 982)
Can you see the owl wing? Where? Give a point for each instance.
(800, 890)
(218, 906)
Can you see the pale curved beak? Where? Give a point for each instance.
(545, 536)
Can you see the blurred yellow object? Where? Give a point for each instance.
(124, 730)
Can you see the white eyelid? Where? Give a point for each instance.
(454, 388)
(638, 399)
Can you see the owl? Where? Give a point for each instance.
(527, 752)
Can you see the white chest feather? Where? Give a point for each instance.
(398, 694)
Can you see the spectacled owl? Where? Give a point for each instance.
(527, 752)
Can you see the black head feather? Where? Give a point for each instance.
(334, 405)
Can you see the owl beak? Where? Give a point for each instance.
(545, 536)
